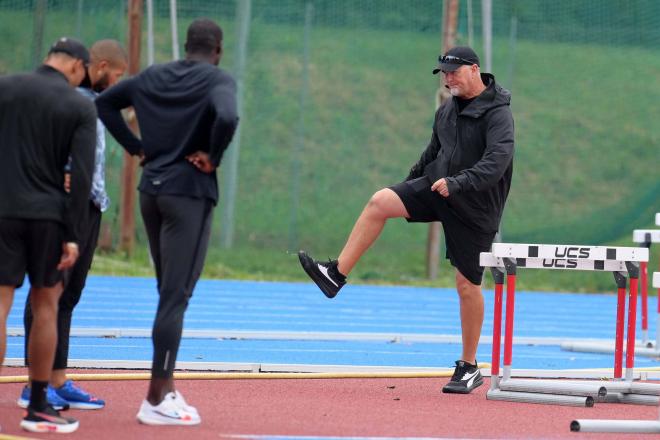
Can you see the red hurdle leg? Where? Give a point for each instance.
(633, 272)
(498, 276)
(657, 327)
(508, 325)
(643, 280)
(620, 279)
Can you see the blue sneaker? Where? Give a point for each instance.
(77, 398)
(53, 399)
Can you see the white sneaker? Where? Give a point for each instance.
(183, 404)
(167, 412)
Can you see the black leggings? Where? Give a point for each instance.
(178, 229)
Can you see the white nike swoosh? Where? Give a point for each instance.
(324, 271)
(471, 377)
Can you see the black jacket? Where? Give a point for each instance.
(43, 121)
(473, 150)
(181, 107)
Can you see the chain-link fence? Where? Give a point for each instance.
(338, 101)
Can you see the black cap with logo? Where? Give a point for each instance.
(71, 47)
(456, 57)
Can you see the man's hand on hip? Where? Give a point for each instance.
(202, 161)
(440, 186)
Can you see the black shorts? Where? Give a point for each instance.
(464, 244)
(32, 246)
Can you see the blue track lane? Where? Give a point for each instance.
(115, 302)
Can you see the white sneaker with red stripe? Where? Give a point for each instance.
(168, 412)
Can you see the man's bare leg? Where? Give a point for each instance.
(383, 205)
(43, 335)
(6, 299)
(472, 316)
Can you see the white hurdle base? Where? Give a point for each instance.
(552, 399)
(646, 396)
(632, 426)
(573, 388)
(631, 399)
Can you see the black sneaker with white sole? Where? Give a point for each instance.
(47, 420)
(325, 275)
(466, 377)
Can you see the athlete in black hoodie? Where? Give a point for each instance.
(186, 111)
(462, 179)
(43, 123)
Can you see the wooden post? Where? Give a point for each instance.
(40, 8)
(449, 20)
(129, 169)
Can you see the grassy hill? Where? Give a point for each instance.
(587, 144)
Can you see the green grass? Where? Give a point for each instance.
(587, 145)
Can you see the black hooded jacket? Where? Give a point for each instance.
(473, 150)
(182, 107)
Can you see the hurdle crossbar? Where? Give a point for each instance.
(630, 426)
(570, 252)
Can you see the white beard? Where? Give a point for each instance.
(455, 91)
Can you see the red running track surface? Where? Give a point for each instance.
(323, 407)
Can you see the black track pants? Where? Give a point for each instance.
(178, 229)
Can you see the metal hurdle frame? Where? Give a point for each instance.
(644, 238)
(629, 426)
(619, 260)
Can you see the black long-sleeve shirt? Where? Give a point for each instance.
(181, 107)
(43, 121)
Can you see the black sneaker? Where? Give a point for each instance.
(47, 420)
(466, 378)
(325, 275)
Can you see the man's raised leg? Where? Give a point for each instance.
(383, 205)
(331, 276)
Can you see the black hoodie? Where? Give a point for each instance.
(181, 107)
(473, 150)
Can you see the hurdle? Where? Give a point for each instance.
(628, 426)
(621, 261)
(644, 238)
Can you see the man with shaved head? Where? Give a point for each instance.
(108, 62)
(186, 110)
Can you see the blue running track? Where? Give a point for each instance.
(270, 308)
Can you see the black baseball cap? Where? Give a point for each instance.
(456, 57)
(71, 47)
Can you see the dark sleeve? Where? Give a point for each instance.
(428, 155)
(223, 103)
(82, 155)
(495, 160)
(109, 105)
